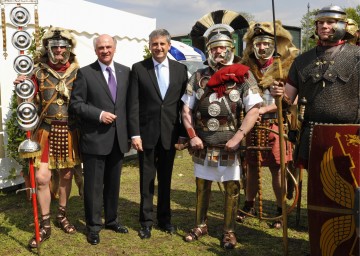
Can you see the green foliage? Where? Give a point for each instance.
(255, 238)
(308, 25)
(12, 174)
(147, 53)
(15, 134)
(32, 49)
(353, 13)
(308, 30)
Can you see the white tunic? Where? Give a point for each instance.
(221, 173)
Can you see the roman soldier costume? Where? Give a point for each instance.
(217, 97)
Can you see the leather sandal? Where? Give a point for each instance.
(277, 224)
(241, 215)
(44, 233)
(228, 240)
(196, 233)
(63, 222)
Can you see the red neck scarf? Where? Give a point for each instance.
(268, 63)
(319, 43)
(235, 72)
(58, 68)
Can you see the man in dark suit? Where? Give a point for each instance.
(99, 100)
(157, 85)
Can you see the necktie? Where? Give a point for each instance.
(163, 85)
(111, 83)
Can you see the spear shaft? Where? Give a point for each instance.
(278, 100)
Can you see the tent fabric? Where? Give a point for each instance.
(87, 20)
(90, 18)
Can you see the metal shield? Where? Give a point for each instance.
(21, 40)
(333, 190)
(20, 16)
(27, 116)
(23, 64)
(25, 90)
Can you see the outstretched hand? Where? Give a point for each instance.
(20, 79)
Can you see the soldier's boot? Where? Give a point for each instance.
(44, 231)
(232, 189)
(203, 191)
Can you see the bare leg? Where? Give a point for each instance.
(43, 176)
(64, 193)
(252, 183)
(252, 188)
(276, 184)
(78, 176)
(65, 186)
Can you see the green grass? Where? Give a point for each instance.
(255, 238)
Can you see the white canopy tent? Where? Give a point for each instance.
(87, 20)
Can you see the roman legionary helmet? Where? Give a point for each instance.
(216, 29)
(337, 13)
(55, 37)
(287, 51)
(264, 32)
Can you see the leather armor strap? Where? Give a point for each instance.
(191, 132)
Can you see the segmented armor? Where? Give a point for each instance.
(56, 134)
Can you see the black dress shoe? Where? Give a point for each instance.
(168, 228)
(93, 238)
(145, 232)
(118, 228)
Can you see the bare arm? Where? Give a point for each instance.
(195, 141)
(248, 123)
(289, 91)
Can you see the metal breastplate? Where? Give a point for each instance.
(332, 92)
(48, 86)
(213, 121)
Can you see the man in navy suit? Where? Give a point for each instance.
(157, 85)
(99, 100)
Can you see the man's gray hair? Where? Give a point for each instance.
(96, 38)
(160, 32)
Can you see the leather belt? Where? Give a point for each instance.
(220, 129)
(50, 120)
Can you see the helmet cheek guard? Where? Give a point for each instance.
(268, 52)
(58, 37)
(219, 35)
(337, 13)
(58, 43)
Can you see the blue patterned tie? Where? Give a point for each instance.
(111, 83)
(161, 80)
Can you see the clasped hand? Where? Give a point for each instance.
(277, 89)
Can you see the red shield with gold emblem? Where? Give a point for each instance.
(333, 190)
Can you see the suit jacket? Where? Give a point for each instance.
(89, 97)
(150, 116)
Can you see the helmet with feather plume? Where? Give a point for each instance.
(215, 29)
